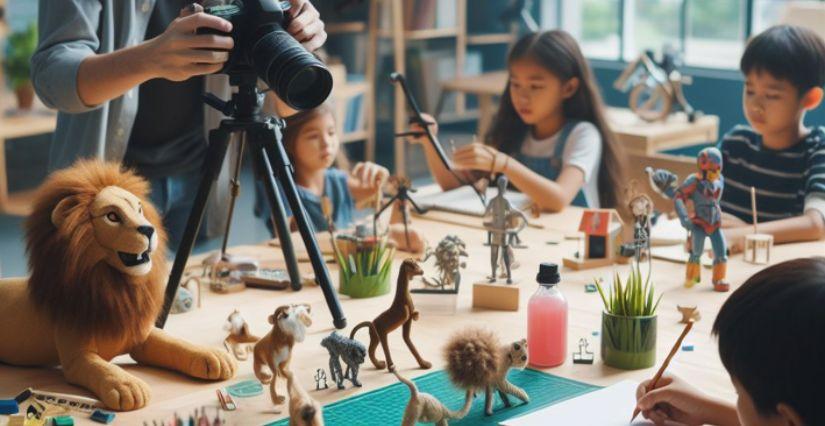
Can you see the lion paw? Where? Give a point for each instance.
(211, 364)
(124, 393)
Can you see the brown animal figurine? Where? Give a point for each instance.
(239, 341)
(303, 410)
(289, 323)
(401, 313)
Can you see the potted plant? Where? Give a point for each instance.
(19, 50)
(629, 322)
(364, 266)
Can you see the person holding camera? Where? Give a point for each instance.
(127, 78)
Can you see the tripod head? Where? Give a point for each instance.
(245, 104)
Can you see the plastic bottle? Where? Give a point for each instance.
(547, 320)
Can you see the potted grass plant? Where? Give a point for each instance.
(629, 322)
(19, 50)
(364, 266)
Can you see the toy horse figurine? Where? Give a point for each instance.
(704, 190)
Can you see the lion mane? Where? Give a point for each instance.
(69, 278)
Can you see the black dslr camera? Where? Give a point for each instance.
(263, 46)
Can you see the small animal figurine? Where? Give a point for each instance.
(274, 351)
(425, 408)
(704, 190)
(321, 377)
(351, 351)
(239, 341)
(477, 361)
(448, 260)
(401, 313)
(303, 410)
(499, 234)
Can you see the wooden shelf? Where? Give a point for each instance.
(426, 34)
(346, 28)
(36, 122)
(492, 38)
(358, 135)
(18, 203)
(349, 90)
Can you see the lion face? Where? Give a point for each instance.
(123, 234)
(518, 353)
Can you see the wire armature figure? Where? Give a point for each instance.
(402, 195)
(499, 233)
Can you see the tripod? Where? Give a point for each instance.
(270, 163)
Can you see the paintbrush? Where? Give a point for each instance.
(661, 371)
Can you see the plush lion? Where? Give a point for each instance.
(96, 252)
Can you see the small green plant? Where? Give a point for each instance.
(19, 50)
(632, 299)
(365, 267)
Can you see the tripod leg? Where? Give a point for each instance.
(264, 171)
(283, 168)
(218, 144)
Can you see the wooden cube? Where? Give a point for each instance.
(500, 297)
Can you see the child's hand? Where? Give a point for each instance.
(477, 156)
(415, 127)
(673, 400)
(735, 238)
(370, 176)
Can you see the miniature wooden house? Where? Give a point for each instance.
(601, 231)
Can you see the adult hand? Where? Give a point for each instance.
(306, 25)
(179, 53)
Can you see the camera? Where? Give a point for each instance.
(263, 47)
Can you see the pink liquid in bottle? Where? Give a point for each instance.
(547, 320)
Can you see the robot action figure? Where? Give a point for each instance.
(704, 190)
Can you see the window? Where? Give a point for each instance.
(651, 24)
(715, 33)
(595, 24)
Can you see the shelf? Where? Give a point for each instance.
(35, 122)
(426, 34)
(350, 90)
(358, 135)
(18, 203)
(492, 38)
(346, 28)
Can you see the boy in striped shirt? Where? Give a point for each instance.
(784, 69)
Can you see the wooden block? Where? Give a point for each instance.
(501, 297)
(580, 264)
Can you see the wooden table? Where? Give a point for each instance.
(18, 124)
(172, 392)
(637, 135)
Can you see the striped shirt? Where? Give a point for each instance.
(788, 182)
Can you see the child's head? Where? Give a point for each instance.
(311, 139)
(772, 342)
(784, 69)
(549, 76)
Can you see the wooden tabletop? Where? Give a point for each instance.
(175, 393)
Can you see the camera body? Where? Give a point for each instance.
(263, 47)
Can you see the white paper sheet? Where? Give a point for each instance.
(463, 200)
(611, 406)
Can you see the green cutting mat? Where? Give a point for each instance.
(385, 406)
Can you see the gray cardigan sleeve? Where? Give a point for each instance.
(68, 34)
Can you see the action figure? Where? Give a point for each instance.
(704, 190)
(641, 207)
(499, 233)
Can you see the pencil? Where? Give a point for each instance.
(665, 364)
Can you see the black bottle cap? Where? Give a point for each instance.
(548, 274)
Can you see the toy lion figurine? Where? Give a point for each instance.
(96, 251)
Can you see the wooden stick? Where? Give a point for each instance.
(753, 209)
(661, 371)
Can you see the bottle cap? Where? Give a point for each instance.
(548, 274)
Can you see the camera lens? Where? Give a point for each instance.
(298, 77)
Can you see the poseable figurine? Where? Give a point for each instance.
(641, 207)
(499, 233)
(704, 190)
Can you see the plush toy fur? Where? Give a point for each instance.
(272, 354)
(96, 251)
(426, 408)
(303, 410)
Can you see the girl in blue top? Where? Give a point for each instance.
(550, 136)
(312, 144)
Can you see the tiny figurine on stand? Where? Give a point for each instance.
(303, 410)
(239, 341)
(289, 324)
(401, 313)
(476, 361)
(583, 356)
(601, 242)
(439, 295)
(757, 246)
(426, 408)
(321, 377)
(704, 190)
(502, 231)
(656, 87)
(349, 350)
(403, 200)
(689, 313)
(641, 207)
